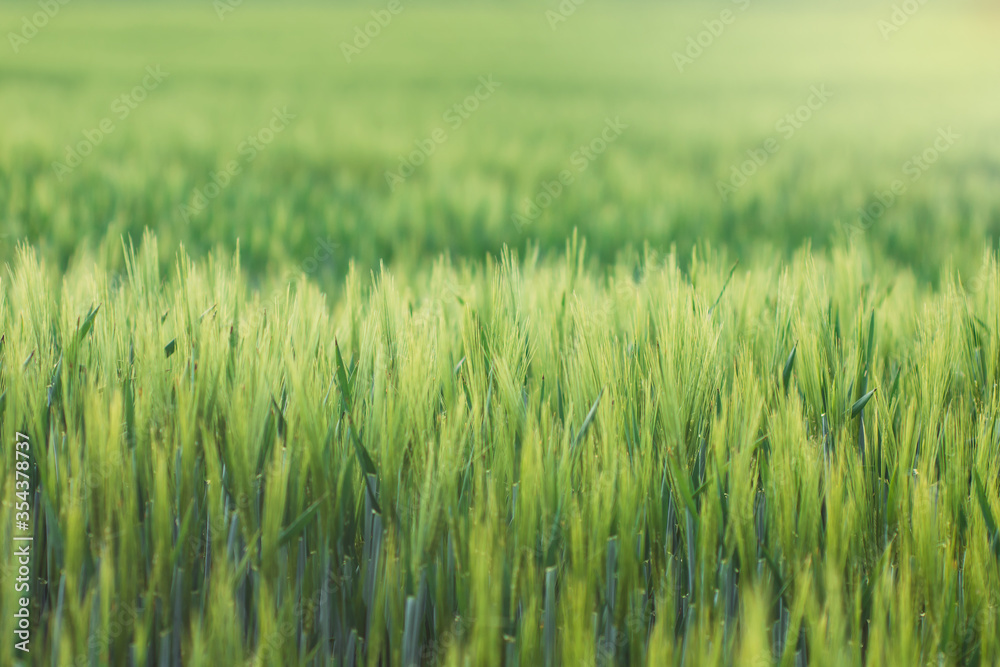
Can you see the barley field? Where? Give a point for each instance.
(565, 333)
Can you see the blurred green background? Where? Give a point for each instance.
(322, 181)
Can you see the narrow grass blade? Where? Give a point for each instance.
(296, 527)
(586, 423)
(786, 374)
(860, 404)
(724, 286)
(991, 524)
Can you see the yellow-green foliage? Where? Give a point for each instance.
(323, 178)
(325, 417)
(571, 463)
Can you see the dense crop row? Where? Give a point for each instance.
(525, 462)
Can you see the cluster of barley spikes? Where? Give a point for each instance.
(527, 461)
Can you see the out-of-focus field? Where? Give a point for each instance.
(325, 176)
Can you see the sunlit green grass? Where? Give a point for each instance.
(800, 464)
(329, 421)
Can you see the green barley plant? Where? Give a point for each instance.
(721, 390)
(568, 465)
